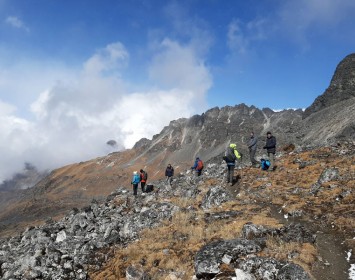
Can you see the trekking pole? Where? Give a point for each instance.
(241, 167)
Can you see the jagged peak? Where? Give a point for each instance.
(342, 87)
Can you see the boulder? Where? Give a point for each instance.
(215, 197)
(210, 257)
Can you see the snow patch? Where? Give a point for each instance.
(348, 255)
(352, 272)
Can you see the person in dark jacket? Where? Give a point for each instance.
(230, 156)
(135, 181)
(198, 166)
(252, 144)
(169, 173)
(144, 177)
(270, 147)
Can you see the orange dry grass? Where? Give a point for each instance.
(172, 247)
(304, 254)
(161, 250)
(174, 244)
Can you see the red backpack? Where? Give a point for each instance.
(199, 165)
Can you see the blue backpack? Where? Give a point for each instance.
(265, 164)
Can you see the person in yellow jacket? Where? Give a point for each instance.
(231, 155)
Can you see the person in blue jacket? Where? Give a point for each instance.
(135, 181)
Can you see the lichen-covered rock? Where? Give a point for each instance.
(210, 257)
(215, 197)
(329, 174)
(272, 269)
(251, 231)
(136, 272)
(62, 250)
(293, 232)
(292, 271)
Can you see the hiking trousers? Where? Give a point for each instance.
(169, 179)
(135, 188)
(143, 186)
(252, 153)
(230, 173)
(271, 157)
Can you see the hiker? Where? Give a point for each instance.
(198, 166)
(252, 144)
(135, 182)
(270, 147)
(143, 177)
(231, 155)
(169, 173)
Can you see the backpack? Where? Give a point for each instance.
(199, 165)
(265, 164)
(229, 155)
(149, 188)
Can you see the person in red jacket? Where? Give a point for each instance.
(198, 166)
(144, 177)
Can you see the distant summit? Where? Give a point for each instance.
(342, 87)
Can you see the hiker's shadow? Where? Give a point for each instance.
(237, 179)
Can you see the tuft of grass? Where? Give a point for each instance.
(304, 254)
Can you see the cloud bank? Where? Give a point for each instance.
(74, 117)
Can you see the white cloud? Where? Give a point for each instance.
(302, 20)
(298, 21)
(107, 59)
(16, 22)
(241, 36)
(236, 39)
(303, 13)
(6, 109)
(75, 116)
(179, 66)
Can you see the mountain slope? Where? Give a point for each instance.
(180, 142)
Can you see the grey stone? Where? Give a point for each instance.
(209, 258)
(292, 271)
(136, 272)
(215, 197)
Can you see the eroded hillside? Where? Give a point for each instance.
(297, 221)
(312, 188)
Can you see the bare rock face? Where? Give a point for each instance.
(342, 87)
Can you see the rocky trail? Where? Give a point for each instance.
(294, 223)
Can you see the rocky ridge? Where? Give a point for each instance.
(221, 232)
(342, 87)
(178, 143)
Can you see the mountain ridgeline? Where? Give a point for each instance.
(329, 119)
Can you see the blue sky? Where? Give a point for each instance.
(100, 70)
